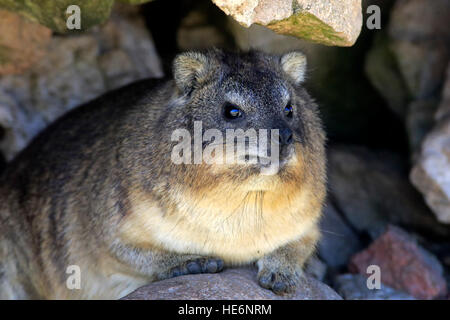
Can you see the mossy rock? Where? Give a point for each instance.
(305, 25)
(52, 14)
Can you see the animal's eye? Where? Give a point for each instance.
(288, 110)
(232, 112)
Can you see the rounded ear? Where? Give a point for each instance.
(294, 65)
(189, 69)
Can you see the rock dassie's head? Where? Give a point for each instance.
(260, 99)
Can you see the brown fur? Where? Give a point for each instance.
(97, 188)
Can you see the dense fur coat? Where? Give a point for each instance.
(98, 190)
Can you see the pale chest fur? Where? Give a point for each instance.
(238, 227)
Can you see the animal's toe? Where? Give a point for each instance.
(201, 265)
(278, 281)
(194, 267)
(213, 265)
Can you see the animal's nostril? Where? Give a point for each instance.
(286, 136)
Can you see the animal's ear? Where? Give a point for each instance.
(294, 65)
(189, 69)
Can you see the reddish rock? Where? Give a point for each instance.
(404, 265)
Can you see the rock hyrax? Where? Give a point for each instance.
(98, 195)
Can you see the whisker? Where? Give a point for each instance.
(331, 232)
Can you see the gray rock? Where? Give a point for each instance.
(431, 173)
(371, 189)
(417, 40)
(231, 284)
(354, 287)
(422, 66)
(262, 38)
(74, 70)
(419, 121)
(417, 20)
(328, 22)
(339, 242)
(419, 33)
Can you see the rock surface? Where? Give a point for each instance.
(22, 43)
(431, 172)
(404, 265)
(419, 41)
(419, 122)
(232, 284)
(407, 63)
(52, 14)
(371, 190)
(354, 287)
(327, 22)
(419, 33)
(74, 70)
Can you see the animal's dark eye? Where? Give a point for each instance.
(232, 112)
(288, 110)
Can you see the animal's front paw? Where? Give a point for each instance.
(195, 266)
(279, 279)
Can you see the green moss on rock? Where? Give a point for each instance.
(307, 26)
(52, 14)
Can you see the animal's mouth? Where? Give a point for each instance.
(253, 160)
(268, 165)
(257, 159)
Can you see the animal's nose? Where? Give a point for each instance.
(286, 136)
